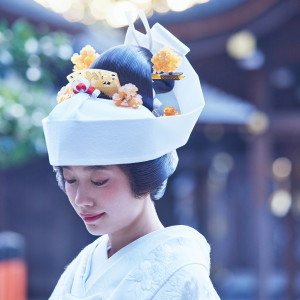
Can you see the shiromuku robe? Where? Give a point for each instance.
(167, 264)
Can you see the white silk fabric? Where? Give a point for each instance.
(171, 263)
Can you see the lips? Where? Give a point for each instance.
(88, 218)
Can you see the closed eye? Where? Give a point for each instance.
(99, 183)
(70, 181)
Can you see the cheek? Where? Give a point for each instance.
(70, 193)
(118, 198)
(124, 206)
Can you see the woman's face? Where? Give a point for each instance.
(102, 197)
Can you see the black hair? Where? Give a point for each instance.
(133, 65)
(148, 177)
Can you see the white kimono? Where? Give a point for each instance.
(170, 263)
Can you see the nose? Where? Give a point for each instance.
(83, 197)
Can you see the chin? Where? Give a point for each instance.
(94, 230)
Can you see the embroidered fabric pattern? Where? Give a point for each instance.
(148, 280)
(188, 283)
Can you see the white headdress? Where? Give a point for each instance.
(86, 130)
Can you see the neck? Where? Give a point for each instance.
(145, 223)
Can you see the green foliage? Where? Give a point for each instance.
(32, 64)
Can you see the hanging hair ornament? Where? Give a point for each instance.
(127, 96)
(84, 87)
(165, 62)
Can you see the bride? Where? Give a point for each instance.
(113, 149)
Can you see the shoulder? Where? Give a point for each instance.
(187, 233)
(187, 246)
(190, 282)
(67, 277)
(176, 267)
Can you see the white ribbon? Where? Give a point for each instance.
(146, 25)
(83, 80)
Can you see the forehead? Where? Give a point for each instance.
(88, 168)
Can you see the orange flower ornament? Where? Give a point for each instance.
(84, 59)
(127, 96)
(65, 93)
(171, 111)
(166, 60)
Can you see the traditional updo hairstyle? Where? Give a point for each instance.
(133, 65)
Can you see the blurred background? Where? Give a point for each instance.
(238, 180)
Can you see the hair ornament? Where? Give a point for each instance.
(105, 81)
(82, 85)
(127, 96)
(65, 93)
(170, 76)
(84, 59)
(106, 130)
(170, 111)
(165, 62)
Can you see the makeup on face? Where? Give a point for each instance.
(90, 218)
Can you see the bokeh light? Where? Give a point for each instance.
(65, 51)
(258, 123)
(60, 6)
(281, 202)
(241, 44)
(75, 13)
(161, 7)
(31, 46)
(33, 74)
(5, 57)
(282, 78)
(253, 61)
(179, 5)
(116, 16)
(34, 61)
(47, 46)
(15, 111)
(99, 11)
(89, 12)
(223, 162)
(282, 168)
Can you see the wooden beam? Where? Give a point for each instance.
(219, 24)
(208, 37)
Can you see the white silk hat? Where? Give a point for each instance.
(85, 130)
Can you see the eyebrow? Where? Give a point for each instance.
(89, 168)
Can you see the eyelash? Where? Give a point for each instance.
(98, 183)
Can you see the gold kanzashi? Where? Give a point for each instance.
(171, 76)
(102, 80)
